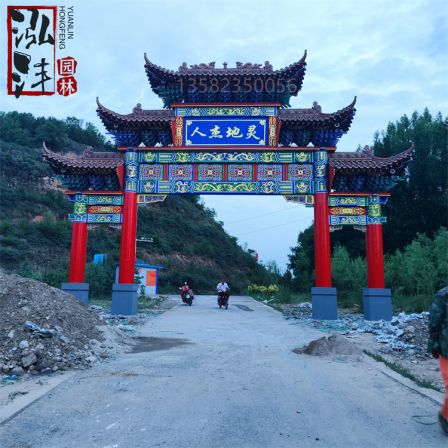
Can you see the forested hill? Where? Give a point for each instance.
(35, 234)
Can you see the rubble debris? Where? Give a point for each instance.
(128, 324)
(44, 329)
(334, 344)
(405, 336)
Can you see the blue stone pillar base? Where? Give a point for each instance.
(377, 303)
(325, 303)
(124, 299)
(79, 290)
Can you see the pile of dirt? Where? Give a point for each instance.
(44, 329)
(334, 344)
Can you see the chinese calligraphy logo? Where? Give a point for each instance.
(32, 52)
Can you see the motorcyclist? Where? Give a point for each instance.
(223, 288)
(184, 289)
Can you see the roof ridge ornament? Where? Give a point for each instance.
(368, 151)
(316, 107)
(137, 109)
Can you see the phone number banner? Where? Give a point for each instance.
(226, 132)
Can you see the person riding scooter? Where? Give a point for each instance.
(223, 294)
(186, 294)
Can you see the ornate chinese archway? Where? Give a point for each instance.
(229, 131)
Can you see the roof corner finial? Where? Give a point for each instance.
(146, 58)
(368, 150)
(88, 150)
(98, 102)
(304, 56)
(316, 107)
(224, 64)
(137, 109)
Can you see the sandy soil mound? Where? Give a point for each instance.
(328, 346)
(44, 329)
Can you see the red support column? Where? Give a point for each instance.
(78, 253)
(128, 238)
(322, 250)
(375, 260)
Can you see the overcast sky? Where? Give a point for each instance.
(392, 55)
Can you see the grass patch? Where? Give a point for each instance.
(143, 304)
(283, 297)
(403, 371)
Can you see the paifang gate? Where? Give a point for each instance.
(231, 131)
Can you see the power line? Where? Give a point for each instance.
(264, 214)
(272, 227)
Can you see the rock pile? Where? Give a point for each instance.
(43, 329)
(406, 335)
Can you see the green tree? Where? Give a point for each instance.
(419, 204)
(301, 261)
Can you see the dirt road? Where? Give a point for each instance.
(204, 377)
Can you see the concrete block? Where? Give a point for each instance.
(325, 303)
(124, 299)
(377, 303)
(79, 290)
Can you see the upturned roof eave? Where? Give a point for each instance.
(102, 164)
(345, 163)
(157, 71)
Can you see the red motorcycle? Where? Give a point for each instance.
(186, 295)
(223, 299)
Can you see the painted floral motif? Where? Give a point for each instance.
(210, 172)
(80, 208)
(348, 200)
(148, 187)
(131, 171)
(300, 172)
(270, 172)
(267, 187)
(237, 173)
(374, 210)
(182, 157)
(181, 172)
(224, 156)
(303, 156)
(105, 200)
(267, 157)
(151, 172)
(105, 219)
(224, 187)
(347, 211)
(181, 187)
(302, 187)
(149, 156)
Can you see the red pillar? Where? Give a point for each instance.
(78, 253)
(322, 251)
(375, 261)
(128, 238)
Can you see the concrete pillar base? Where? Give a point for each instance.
(377, 303)
(79, 290)
(325, 303)
(124, 299)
